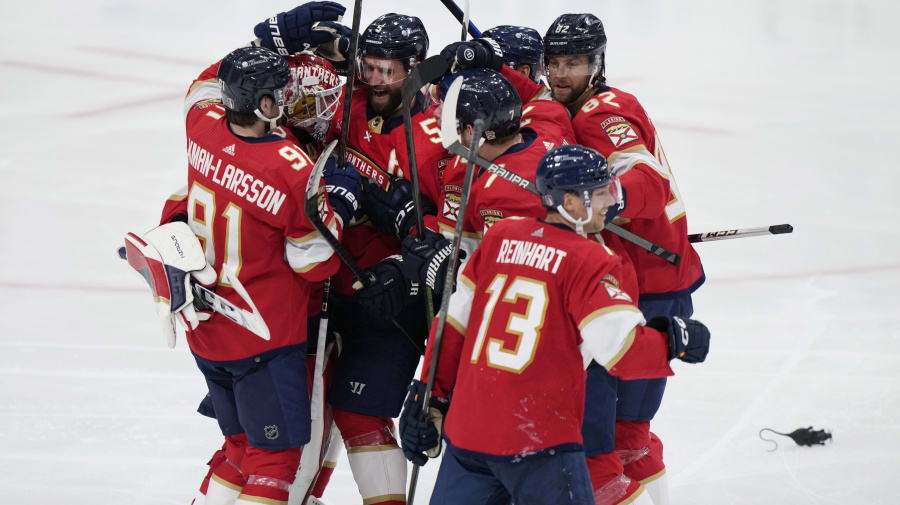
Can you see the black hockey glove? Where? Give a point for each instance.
(390, 292)
(688, 339)
(392, 211)
(479, 53)
(343, 186)
(292, 31)
(420, 439)
(426, 262)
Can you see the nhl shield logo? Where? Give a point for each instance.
(272, 432)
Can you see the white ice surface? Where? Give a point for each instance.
(771, 111)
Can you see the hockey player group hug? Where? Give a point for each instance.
(559, 334)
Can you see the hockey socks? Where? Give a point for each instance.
(376, 460)
(641, 452)
(269, 475)
(609, 485)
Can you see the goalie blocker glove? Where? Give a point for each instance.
(419, 439)
(392, 211)
(168, 257)
(688, 339)
(386, 296)
(294, 31)
(343, 187)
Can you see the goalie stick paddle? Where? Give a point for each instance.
(775, 229)
(448, 128)
(458, 14)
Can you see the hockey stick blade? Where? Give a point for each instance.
(776, 229)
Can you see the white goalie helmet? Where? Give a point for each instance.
(319, 89)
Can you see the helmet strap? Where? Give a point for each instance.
(579, 223)
(272, 122)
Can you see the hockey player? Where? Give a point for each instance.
(534, 302)
(614, 123)
(522, 47)
(247, 182)
(378, 360)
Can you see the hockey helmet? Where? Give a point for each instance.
(521, 46)
(391, 37)
(248, 74)
(572, 168)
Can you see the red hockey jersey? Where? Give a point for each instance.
(534, 305)
(245, 202)
(376, 146)
(615, 124)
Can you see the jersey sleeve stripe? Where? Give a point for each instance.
(311, 250)
(622, 161)
(461, 304)
(607, 337)
(606, 310)
(453, 322)
(202, 90)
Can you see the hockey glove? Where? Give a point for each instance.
(343, 187)
(479, 53)
(426, 261)
(392, 211)
(688, 339)
(168, 257)
(390, 292)
(617, 208)
(293, 31)
(337, 49)
(419, 438)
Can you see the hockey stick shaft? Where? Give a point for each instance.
(775, 229)
(465, 21)
(643, 243)
(459, 15)
(351, 77)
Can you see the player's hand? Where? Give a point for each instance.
(392, 211)
(426, 261)
(337, 48)
(479, 53)
(293, 31)
(419, 439)
(386, 296)
(169, 257)
(617, 208)
(688, 339)
(343, 187)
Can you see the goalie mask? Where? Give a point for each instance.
(319, 91)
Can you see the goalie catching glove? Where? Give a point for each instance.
(418, 438)
(688, 339)
(168, 257)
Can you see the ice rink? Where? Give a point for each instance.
(770, 111)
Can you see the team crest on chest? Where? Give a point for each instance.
(621, 133)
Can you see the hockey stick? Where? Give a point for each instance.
(351, 77)
(206, 299)
(458, 149)
(465, 21)
(458, 14)
(426, 71)
(775, 229)
(448, 130)
(311, 208)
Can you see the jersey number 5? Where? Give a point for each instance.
(526, 325)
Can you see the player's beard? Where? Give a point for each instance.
(570, 96)
(384, 107)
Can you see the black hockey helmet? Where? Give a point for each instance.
(571, 168)
(395, 37)
(249, 73)
(572, 34)
(521, 46)
(487, 95)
